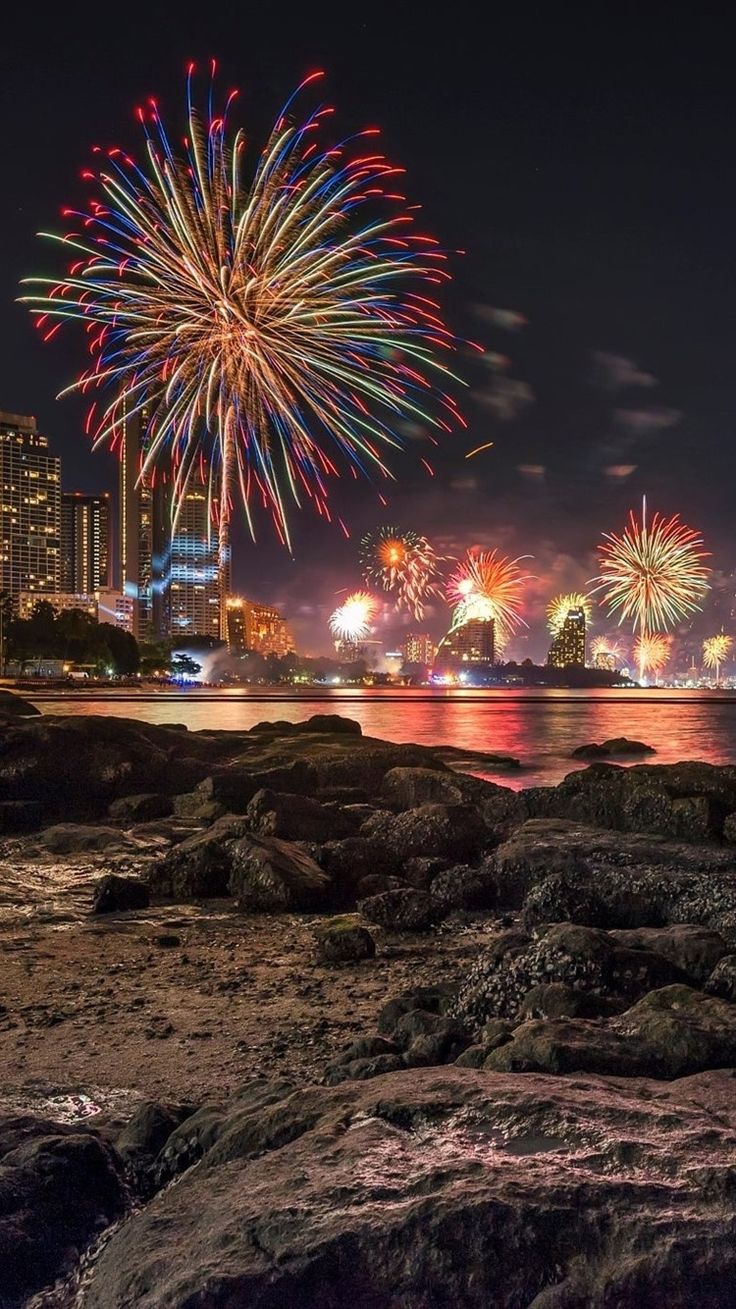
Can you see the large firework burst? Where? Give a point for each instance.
(487, 585)
(352, 620)
(651, 652)
(402, 562)
(653, 573)
(560, 606)
(604, 646)
(272, 326)
(715, 650)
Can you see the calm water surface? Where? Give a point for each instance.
(539, 727)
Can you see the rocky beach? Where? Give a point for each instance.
(297, 1016)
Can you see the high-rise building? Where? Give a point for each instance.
(144, 532)
(30, 509)
(258, 627)
(195, 592)
(471, 644)
(568, 648)
(86, 525)
(418, 648)
(61, 601)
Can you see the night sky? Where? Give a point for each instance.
(586, 163)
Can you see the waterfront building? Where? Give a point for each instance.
(605, 660)
(115, 607)
(86, 556)
(195, 591)
(61, 601)
(471, 643)
(419, 648)
(259, 627)
(144, 546)
(30, 510)
(568, 648)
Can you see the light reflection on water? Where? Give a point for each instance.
(539, 727)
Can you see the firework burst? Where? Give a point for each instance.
(273, 327)
(653, 574)
(352, 620)
(715, 650)
(487, 585)
(560, 606)
(605, 646)
(651, 652)
(403, 563)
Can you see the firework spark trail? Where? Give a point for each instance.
(272, 327)
(560, 606)
(651, 652)
(402, 562)
(603, 645)
(352, 620)
(715, 650)
(487, 585)
(653, 573)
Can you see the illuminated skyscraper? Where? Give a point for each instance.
(470, 645)
(568, 648)
(30, 509)
(144, 533)
(258, 627)
(85, 542)
(195, 592)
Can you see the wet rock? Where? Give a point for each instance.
(350, 860)
(271, 875)
(722, 981)
(376, 884)
(115, 893)
(433, 999)
(20, 816)
(455, 831)
(402, 910)
(344, 939)
(406, 788)
(145, 1135)
(617, 745)
(694, 950)
(333, 723)
(557, 1000)
(421, 870)
(74, 838)
(428, 1038)
(60, 1187)
(14, 706)
(456, 1187)
(200, 1132)
(195, 805)
(142, 808)
(200, 865)
(361, 1070)
(296, 818)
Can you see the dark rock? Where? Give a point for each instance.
(145, 1135)
(617, 745)
(443, 1187)
(196, 805)
(428, 1038)
(368, 1058)
(456, 831)
(350, 860)
(722, 981)
(296, 818)
(140, 808)
(376, 884)
(421, 870)
(20, 816)
(433, 999)
(344, 939)
(14, 706)
(473, 1057)
(403, 910)
(117, 894)
(271, 876)
(199, 866)
(694, 950)
(556, 1000)
(59, 1187)
(463, 888)
(199, 1132)
(406, 788)
(74, 838)
(332, 723)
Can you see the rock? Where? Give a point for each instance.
(428, 1038)
(271, 875)
(145, 1135)
(557, 1000)
(199, 1132)
(74, 838)
(332, 723)
(344, 939)
(403, 910)
(60, 1187)
(117, 894)
(195, 805)
(671, 1032)
(14, 706)
(140, 808)
(463, 888)
(296, 818)
(434, 999)
(421, 870)
(444, 1186)
(355, 857)
(200, 865)
(617, 745)
(376, 884)
(361, 1070)
(406, 788)
(20, 816)
(694, 950)
(722, 981)
(456, 831)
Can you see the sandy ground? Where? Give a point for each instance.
(188, 1002)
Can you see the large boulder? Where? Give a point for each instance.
(200, 865)
(434, 1187)
(297, 818)
(694, 950)
(344, 939)
(144, 808)
(455, 831)
(80, 838)
(401, 910)
(115, 893)
(60, 1186)
(14, 706)
(270, 875)
(613, 747)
